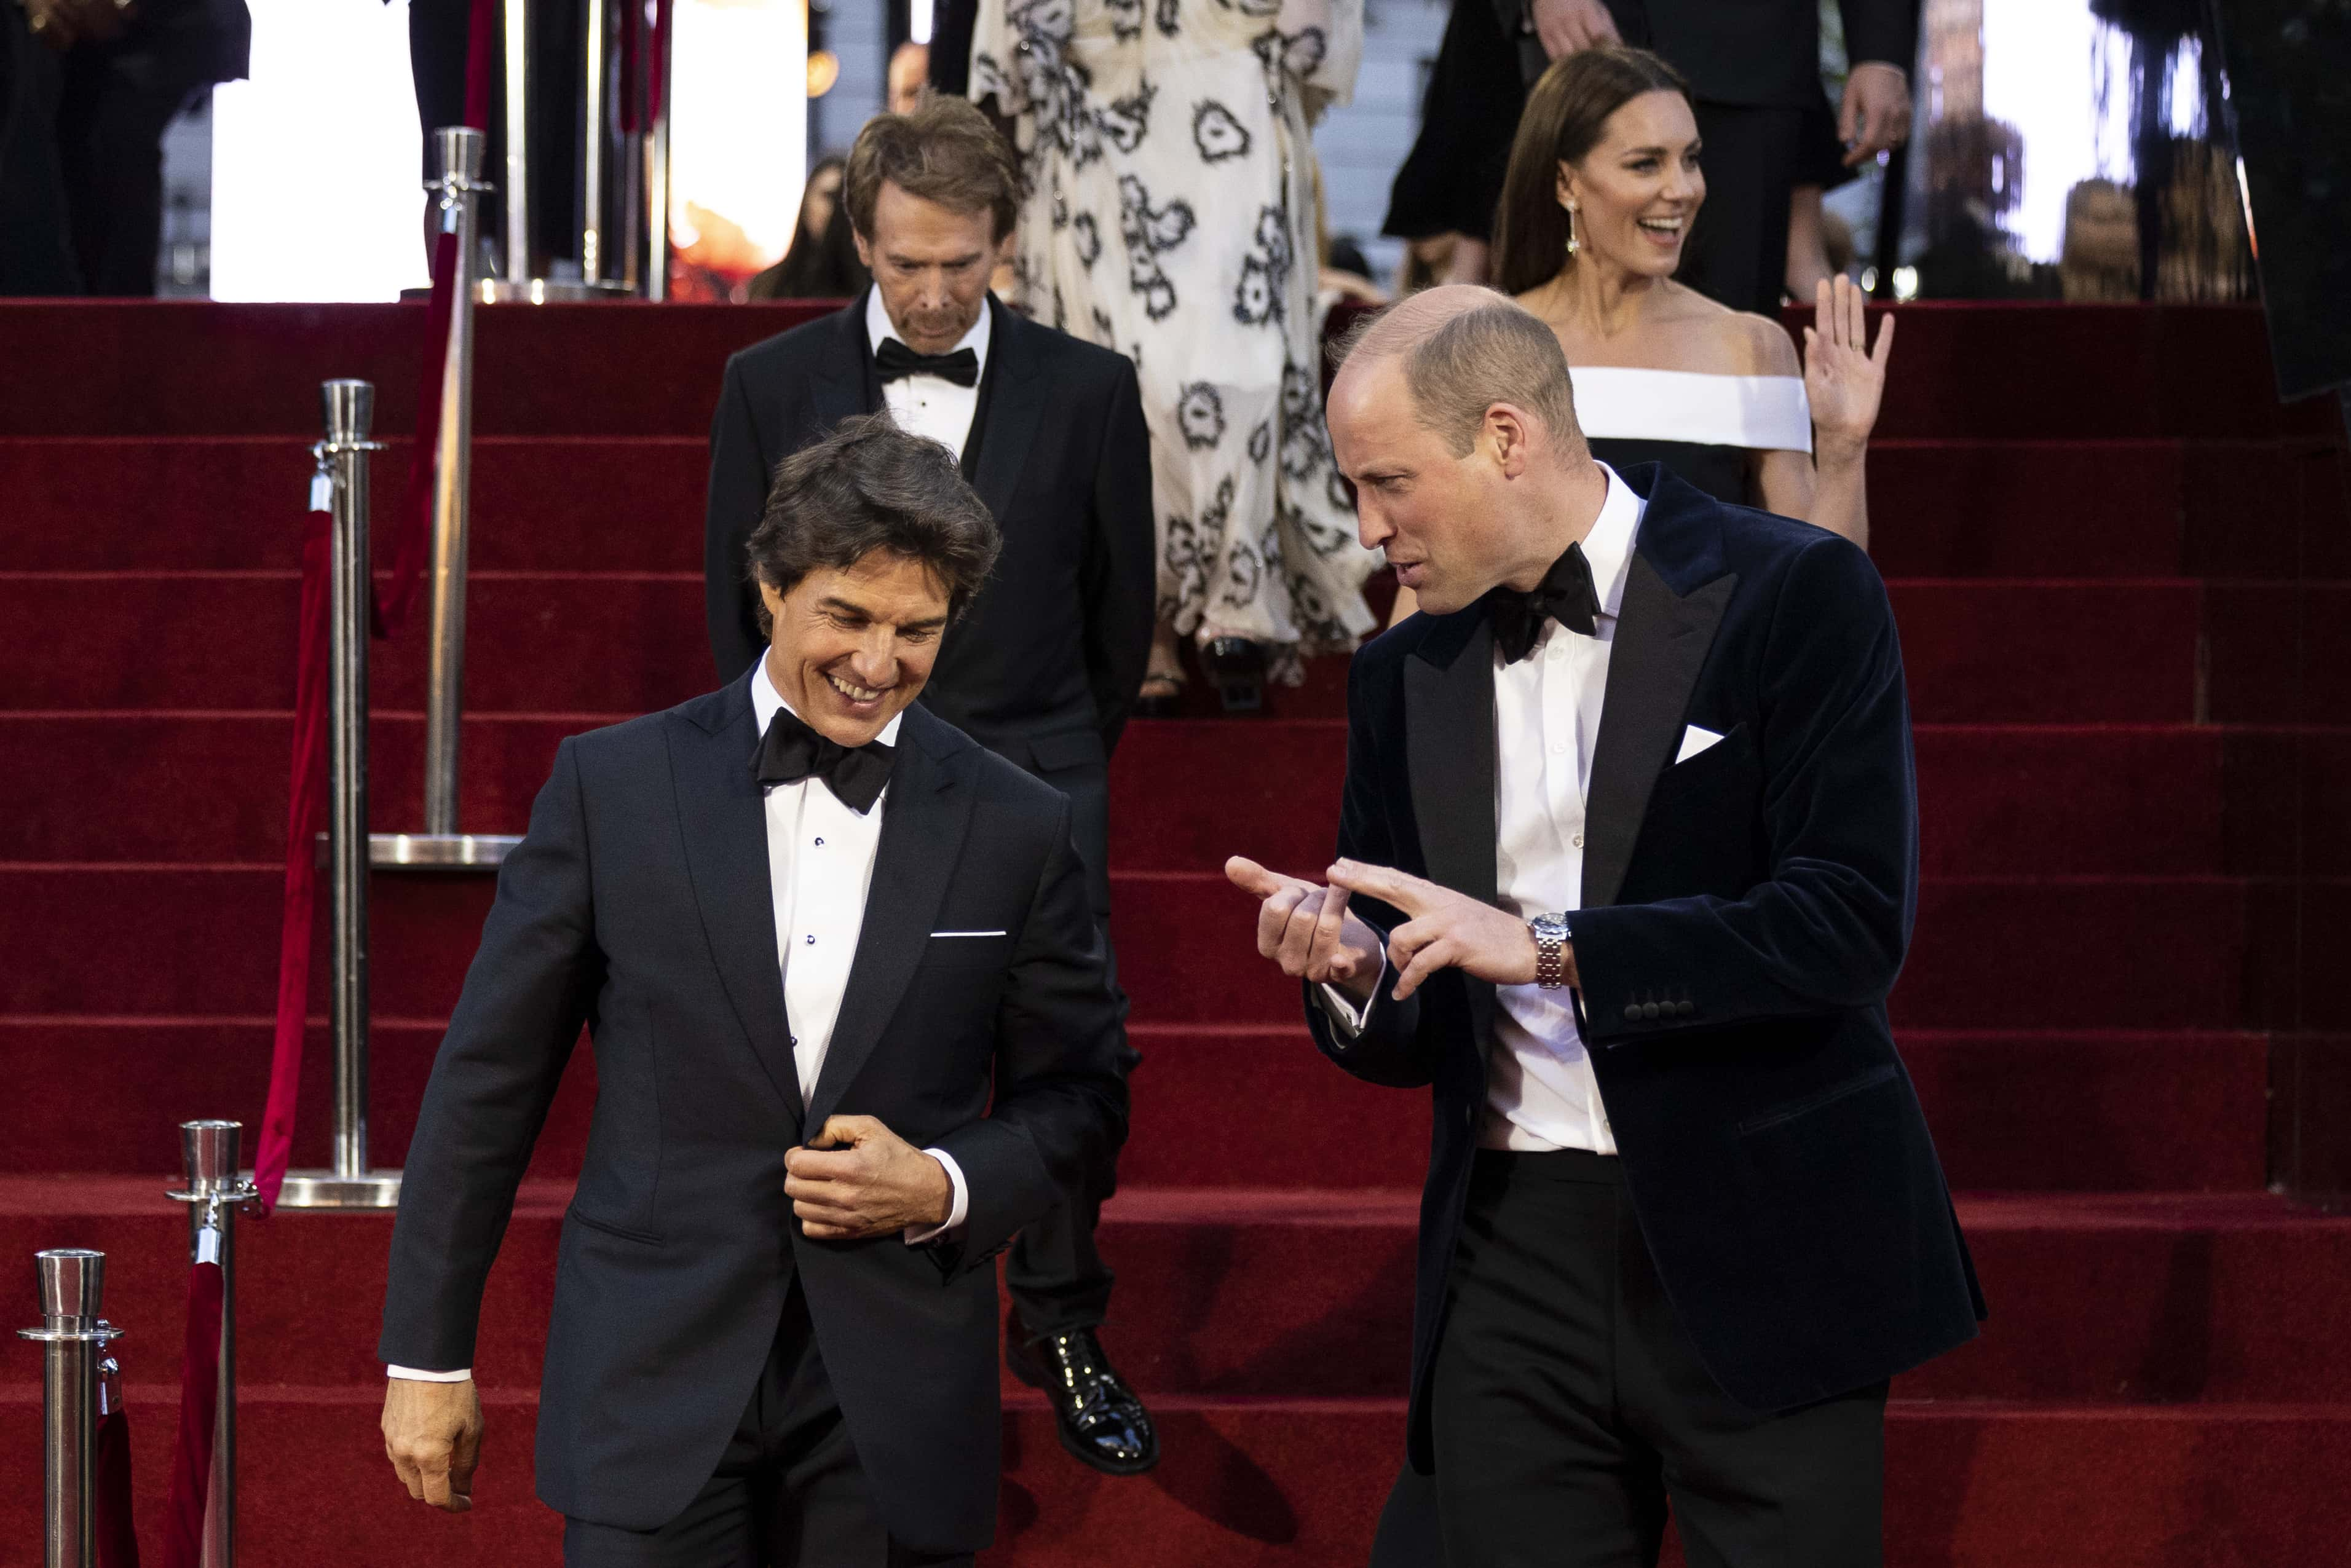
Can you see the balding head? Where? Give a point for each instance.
(1462, 349)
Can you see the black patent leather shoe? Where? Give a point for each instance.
(1236, 667)
(1102, 1419)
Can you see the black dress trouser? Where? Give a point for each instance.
(1053, 1270)
(1737, 248)
(1568, 1409)
(788, 1493)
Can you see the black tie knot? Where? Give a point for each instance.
(894, 359)
(791, 751)
(1564, 595)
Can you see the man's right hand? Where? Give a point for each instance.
(1570, 26)
(434, 1433)
(1305, 927)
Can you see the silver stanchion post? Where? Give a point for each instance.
(343, 459)
(441, 846)
(214, 1193)
(518, 171)
(657, 191)
(596, 124)
(73, 1289)
(517, 285)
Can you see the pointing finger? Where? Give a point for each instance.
(1389, 886)
(1255, 880)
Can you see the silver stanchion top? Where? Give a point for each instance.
(73, 1284)
(457, 150)
(209, 1152)
(350, 408)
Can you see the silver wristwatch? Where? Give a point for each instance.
(1552, 937)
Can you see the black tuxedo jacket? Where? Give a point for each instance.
(1044, 666)
(639, 904)
(1760, 52)
(1744, 915)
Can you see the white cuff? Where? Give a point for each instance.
(411, 1374)
(956, 1209)
(1344, 1015)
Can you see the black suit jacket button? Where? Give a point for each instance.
(1648, 1012)
(1684, 1008)
(1631, 1012)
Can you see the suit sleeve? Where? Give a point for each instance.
(527, 994)
(1828, 927)
(1882, 30)
(1388, 1049)
(739, 471)
(1060, 1098)
(1120, 580)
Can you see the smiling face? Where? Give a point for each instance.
(932, 265)
(1438, 517)
(1636, 191)
(852, 647)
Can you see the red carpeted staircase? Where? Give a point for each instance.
(2086, 515)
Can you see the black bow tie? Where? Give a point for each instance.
(791, 751)
(1564, 595)
(894, 360)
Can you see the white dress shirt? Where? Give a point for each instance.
(930, 405)
(819, 869)
(1540, 1092)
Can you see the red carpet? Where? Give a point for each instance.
(2086, 562)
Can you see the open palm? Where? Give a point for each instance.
(1844, 375)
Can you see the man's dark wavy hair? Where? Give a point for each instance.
(867, 486)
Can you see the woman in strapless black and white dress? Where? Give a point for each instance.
(1603, 184)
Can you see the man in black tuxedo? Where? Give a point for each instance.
(853, 1028)
(1627, 867)
(1044, 668)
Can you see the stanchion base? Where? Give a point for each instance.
(439, 851)
(325, 1189)
(432, 852)
(548, 291)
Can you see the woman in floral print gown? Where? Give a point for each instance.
(1168, 212)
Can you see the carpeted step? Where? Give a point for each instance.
(1298, 1484)
(2095, 1111)
(2149, 1298)
(2101, 372)
(1993, 953)
(2066, 800)
(1975, 652)
(1940, 509)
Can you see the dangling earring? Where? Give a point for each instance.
(1573, 244)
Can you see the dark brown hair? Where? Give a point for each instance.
(869, 486)
(945, 152)
(1564, 114)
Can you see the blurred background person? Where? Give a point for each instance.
(1168, 212)
(909, 71)
(1820, 245)
(1604, 186)
(821, 262)
(1754, 70)
(87, 88)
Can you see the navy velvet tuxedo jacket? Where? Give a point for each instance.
(1744, 915)
(1044, 664)
(639, 903)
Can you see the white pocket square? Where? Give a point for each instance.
(1695, 740)
(935, 935)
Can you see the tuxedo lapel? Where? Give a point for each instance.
(1449, 757)
(839, 388)
(1010, 409)
(923, 819)
(1661, 644)
(725, 825)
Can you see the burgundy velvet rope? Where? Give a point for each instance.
(192, 1448)
(110, 1517)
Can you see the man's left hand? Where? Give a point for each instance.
(870, 1182)
(1444, 930)
(1876, 114)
